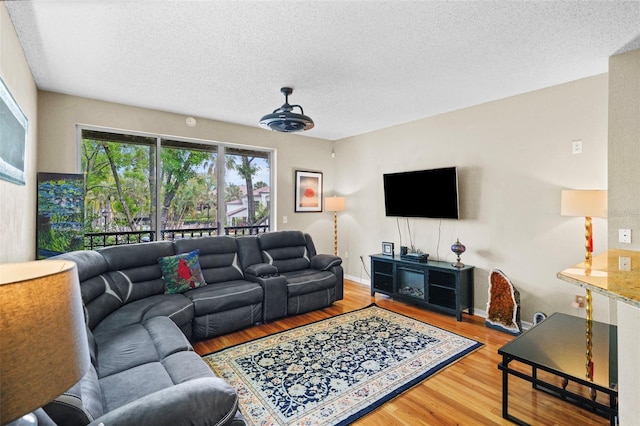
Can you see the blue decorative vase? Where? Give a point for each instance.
(458, 248)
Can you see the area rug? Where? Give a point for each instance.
(334, 371)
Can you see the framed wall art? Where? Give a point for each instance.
(13, 137)
(60, 226)
(308, 188)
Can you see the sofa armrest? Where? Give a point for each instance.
(204, 401)
(324, 262)
(261, 270)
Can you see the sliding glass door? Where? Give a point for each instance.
(146, 187)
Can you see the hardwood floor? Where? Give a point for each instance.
(469, 392)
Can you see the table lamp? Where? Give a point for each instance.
(335, 205)
(586, 203)
(43, 340)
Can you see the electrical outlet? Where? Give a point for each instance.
(624, 236)
(624, 263)
(576, 147)
(580, 300)
(346, 254)
(284, 219)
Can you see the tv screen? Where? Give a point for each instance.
(429, 193)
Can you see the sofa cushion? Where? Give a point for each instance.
(150, 341)
(286, 250)
(141, 359)
(218, 257)
(176, 307)
(134, 383)
(134, 268)
(99, 294)
(181, 272)
(204, 401)
(101, 297)
(248, 250)
(224, 296)
(308, 281)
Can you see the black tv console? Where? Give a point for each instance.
(434, 284)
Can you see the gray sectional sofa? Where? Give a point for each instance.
(143, 368)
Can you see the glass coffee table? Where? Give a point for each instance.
(558, 345)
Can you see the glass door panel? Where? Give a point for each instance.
(120, 189)
(188, 191)
(247, 192)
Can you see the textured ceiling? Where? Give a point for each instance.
(355, 66)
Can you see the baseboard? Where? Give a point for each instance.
(358, 280)
(483, 314)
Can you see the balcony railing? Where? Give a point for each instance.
(93, 240)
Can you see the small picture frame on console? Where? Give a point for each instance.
(387, 249)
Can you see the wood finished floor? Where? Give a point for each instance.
(469, 392)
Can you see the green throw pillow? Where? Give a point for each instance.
(181, 272)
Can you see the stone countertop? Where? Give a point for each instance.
(614, 273)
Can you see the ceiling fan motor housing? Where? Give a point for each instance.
(284, 119)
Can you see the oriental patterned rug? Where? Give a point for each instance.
(334, 371)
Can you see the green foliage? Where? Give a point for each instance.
(185, 183)
(126, 195)
(232, 192)
(119, 184)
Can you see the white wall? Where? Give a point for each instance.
(624, 212)
(514, 158)
(624, 148)
(18, 202)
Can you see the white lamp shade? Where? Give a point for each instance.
(584, 203)
(335, 204)
(43, 340)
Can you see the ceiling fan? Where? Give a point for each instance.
(284, 119)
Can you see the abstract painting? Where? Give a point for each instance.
(308, 191)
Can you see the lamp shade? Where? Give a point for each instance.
(585, 203)
(43, 340)
(335, 204)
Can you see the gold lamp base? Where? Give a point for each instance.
(335, 233)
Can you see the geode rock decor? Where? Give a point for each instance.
(503, 308)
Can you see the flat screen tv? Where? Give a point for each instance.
(429, 193)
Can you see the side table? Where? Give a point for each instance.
(557, 345)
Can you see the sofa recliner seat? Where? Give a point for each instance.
(313, 281)
(137, 282)
(229, 301)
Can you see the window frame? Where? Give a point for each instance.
(221, 148)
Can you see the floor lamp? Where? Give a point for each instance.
(587, 204)
(43, 341)
(335, 205)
